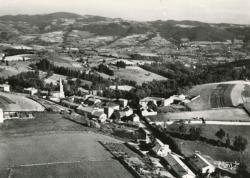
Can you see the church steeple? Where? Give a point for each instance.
(61, 89)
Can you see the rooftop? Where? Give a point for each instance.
(152, 98)
(198, 162)
(177, 165)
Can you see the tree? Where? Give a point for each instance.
(228, 141)
(151, 105)
(220, 134)
(242, 170)
(182, 129)
(195, 133)
(240, 143)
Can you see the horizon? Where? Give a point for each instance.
(218, 11)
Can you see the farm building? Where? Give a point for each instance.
(160, 149)
(17, 106)
(200, 164)
(5, 87)
(91, 112)
(178, 167)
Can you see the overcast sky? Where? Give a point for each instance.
(231, 11)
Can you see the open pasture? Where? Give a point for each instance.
(209, 131)
(60, 155)
(219, 95)
(15, 102)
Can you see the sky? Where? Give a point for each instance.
(215, 11)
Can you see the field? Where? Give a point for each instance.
(66, 61)
(21, 57)
(226, 114)
(14, 102)
(217, 95)
(216, 152)
(53, 37)
(50, 146)
(55, 78)
(14, 68)
(134, 73)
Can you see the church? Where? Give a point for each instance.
(57, 95)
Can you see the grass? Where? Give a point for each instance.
(14, 68)
(69, 148)
(66, 61)
(134, 73)
(104, 169)
(218, 95)
(226, 114)
(218, 153)
(14, 102)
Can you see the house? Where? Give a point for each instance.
(92, 112)
(160, 149)
(179, 168)
(148, 112)
(173, 99)
(127, 111)
(30, 91)
(123, 102)
(143, 135)
(109, 108)
(134, 118)
(92, 101)
(1, 116)
(99, 115)
(69, 104)
(83, 91)
(5, 87)
(200, 164)
(2, 55)
(157, 101)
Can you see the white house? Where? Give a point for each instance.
(30, 90)
(148, 112)
(2, 56)
(160, 149)
(1, 116)
(5, 87)
(200, 164)
(123, 102)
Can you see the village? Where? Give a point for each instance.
(91, 96)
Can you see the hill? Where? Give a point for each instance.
(19, 25)
(219, 95)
